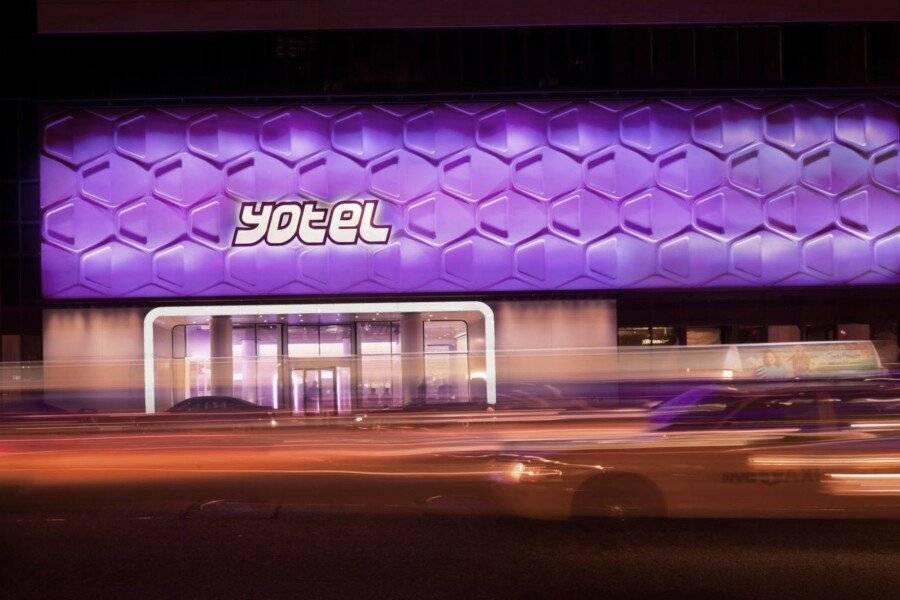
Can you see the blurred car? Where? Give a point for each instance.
(28, 406)
(808, 405)
(216, 404)
(823, 449)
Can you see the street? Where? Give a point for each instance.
(394, 511)
(240, 553)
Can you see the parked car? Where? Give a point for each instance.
(216, 404)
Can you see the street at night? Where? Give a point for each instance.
(339, 511)
(251, 553)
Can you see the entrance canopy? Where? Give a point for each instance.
(420, 333)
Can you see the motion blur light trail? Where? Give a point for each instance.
(750, 461)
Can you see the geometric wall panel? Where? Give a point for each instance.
(588, 195)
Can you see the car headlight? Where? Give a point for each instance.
(526, 472)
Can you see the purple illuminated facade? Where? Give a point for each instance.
(479, 197)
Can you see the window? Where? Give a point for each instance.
(446, 361)
(382, 337)
(647, 336)
(380, 365)
(783, 333)
(303, 341)
(336, 340)
(197, 373)
(634, 336)
(750, 334)
(268, 349)
(818, 333)
(703, 336)
(197, 341)
(307, 341)
(696, 408)
(243, 349)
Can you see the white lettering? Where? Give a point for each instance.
(284, 223)
(343, 227)
(254, 221)
(368, 230)
(312, 224)
(346, 222)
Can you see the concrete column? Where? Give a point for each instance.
(555, 324)
(412, 345)
(88, 353)
(555, 340)
(220, 352)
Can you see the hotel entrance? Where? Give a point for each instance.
(320, 391)
(321, 360)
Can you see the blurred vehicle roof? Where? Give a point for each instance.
(215, 404)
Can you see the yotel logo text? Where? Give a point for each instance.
(345, 222)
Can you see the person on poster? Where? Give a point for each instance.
(800, 362)
(771, 367)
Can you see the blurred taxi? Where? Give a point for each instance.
(792, 449)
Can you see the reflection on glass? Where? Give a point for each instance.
(303, 340)
(327, 393)
(320, 391)
(297, 391)
(268, 341)
(243, 345)
(342, 390)
(446, 362)
(179, 341)
(379, 337)
(311, 399)
(335, 340)
(197, 374)
(380, 365)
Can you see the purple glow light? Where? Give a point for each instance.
(584, 195)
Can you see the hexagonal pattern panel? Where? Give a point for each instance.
(149, 137)
(479, 196)
(510, 131)
(797, 126)
(293, 134)
(401, 176)
(222, 135)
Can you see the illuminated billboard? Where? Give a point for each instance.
(174, 201)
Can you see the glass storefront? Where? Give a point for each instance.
(328, 368)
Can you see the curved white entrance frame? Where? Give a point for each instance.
(321, 309)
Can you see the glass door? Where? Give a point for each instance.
(314, 391)
(327, 394)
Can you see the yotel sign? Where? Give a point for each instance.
(276, 224)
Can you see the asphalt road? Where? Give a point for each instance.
(240, 552)
(303, 513)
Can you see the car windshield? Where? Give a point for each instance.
(701, 405)
(731, 407)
